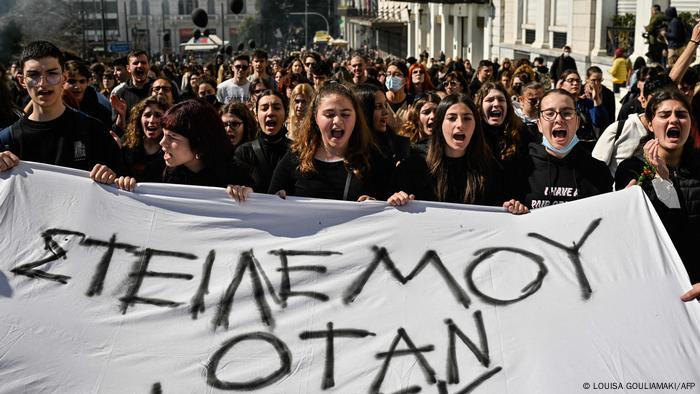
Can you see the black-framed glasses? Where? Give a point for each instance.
(551, 114)
(164, 89)
(234, 124)
(572, 80)
(451, 83)
(241, 66)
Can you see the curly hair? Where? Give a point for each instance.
(412, 127)
(294, 123)
(309, 139)
(133, 136)
(509, 139)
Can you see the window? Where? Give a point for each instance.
(166, 7)
(144, 7)
(185, 7)
(211, 8)
(531, 15)
(181, 7)
(559, 40)
(132, 8)
(529, 36)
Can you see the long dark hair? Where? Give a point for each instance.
(478, 155)
(509, 138)
(250, 125)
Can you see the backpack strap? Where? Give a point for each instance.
(264, 165)
(620, 125)
(348, 179)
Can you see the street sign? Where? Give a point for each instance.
(120, 47)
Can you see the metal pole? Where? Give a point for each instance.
(306, 23)
(82, 22)
(104, 28)
(126, 23)
(223, 15)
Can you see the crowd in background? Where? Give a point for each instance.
(515, 133)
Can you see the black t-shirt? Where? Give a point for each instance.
(329, 180)
(72, 140)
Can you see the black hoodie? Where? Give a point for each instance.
(552, 180)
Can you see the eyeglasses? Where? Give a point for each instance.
(415, 72)
(572, 80)
(234, 124)
(551, 114)
(34, 79)
(533, 101)
(164, 89)
(451, 83)
(241, 66)
(309, 64)
(259, 91)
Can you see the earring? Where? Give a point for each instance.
(197, 156)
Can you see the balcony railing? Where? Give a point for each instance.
(619, 37)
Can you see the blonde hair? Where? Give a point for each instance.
(293, 122)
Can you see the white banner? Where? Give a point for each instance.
(178, 289)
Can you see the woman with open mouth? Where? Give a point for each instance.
(195, 149)
(560, 169)
(505, 133)
(459, 167)
(375, 107)
(239, 123)
(333, 156)
(669, 173)
(300, 101)
(143, 134)
(419, 125)
(260, 156)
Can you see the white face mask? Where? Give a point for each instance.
(393, 83)
(567, 54)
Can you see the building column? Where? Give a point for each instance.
(603, 10)
(410, 36)
(434, 32)
(446, 33)
(544, 9)
(457, 33)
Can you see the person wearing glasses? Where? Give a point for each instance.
(418, 81)
(594, 118)
(255, 90)
(559, 169)
(54, 133)
(108, 82)
(453, 83)
(165, 89)
(310, 59)
(236, 88)
(239, 123)
(529, 99)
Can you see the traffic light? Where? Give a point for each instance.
(236, 6)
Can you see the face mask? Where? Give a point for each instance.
(563, 150)
(393, 83)
(567, 54)
(210, 98)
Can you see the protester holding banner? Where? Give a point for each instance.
(143, 134)
(669, 173)
(333, 156)
(559, 169)
(196, 150)
(54, 133)
(260, 156)
(459, 167)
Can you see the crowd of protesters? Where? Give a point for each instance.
(516, 135)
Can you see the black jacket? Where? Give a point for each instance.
(552, 180)
(260, 169)
(682, 225)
